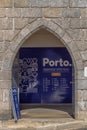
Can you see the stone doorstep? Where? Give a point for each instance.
(45, 124)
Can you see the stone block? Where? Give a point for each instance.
(31, 12)
(67, 38)
(2, 12)
(85, 34)
(1, 36)
(80, 74)
(5, 84)
(6, 95)
(73, 47)
(83, 23)
(79, 65)
(82, 115)
(71, 12)
(6, 23)
(39, 3)
(5, 114)
(85, 95)
(52, 12)
(1, 95)
(13, 12)
(82, 45)
(81, 106)
(6, 3)
(21, 3)
(60, 31)
(83, 12)
(82, 84)
(66, 23)
(2, 47)
(19, 23)
(59, 3)
(77, 55)
(7, 63)
(78, 3)
(9, 34)
(80, 95)
(5, 75)
(77, 34)
(75, 23)
(1, 65)
(84, 55)
(1, 56)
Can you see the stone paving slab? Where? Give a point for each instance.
(45, 124)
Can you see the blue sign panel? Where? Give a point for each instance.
(45, 75)
(15, 103)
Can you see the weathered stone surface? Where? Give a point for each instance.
(2, 12)
(80, 74)
(76, 34)
(79, 65)
(1, 36)
(60, 32)
(1, 94)
(73, 46)
(21, 3)
(67, 38)
(7, 60)
(82, 84)
(71, 12)
(77, 55)
(82, 45)
(19, 23)
(47, 128)
(6, 23)
(79, 95)
(31, 12)
(83, 12)
(73, 23)
(78, 3)
(4, 106)
(52, 12)
(13, 12)
(85, 34)
(1, 56)
(6, 95)
(2, 47)
(85, 95)
(39, 3)
(5, 84)
(59, 3)
(82, 106)
(5, 75)
(6, 3)
(83, 23)
(82, 115)
(10, 34)
(84, 55)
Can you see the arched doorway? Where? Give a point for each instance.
(66, 39)
(55, 78)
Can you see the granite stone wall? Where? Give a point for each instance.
(66, 19)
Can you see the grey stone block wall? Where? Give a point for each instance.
(66, 19)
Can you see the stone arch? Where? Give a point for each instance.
(52, 27)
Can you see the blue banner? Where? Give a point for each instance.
(45, 75)
(15, 103)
